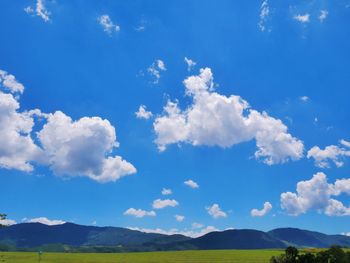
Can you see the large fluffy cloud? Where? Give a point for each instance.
(331, 153)
(70, 148)
(80, 148)
(316, 194)
(217, 120)
(17, 148)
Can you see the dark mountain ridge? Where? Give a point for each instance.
(31, 236)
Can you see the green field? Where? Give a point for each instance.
(207, 256)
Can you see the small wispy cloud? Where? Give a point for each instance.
(107, 24)
(190, 63)
(191, 184)
(302, 18)
(155, 69)
(39, 10)
(323, 15)
(139, 213)
(264, 13)
(143, 113)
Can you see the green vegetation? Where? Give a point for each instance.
(335, 254)
(198, 256)
(2, 217)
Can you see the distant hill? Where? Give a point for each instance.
(236, 239)
(28, 235)
(73, 237)
(305, 238)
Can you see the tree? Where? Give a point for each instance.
(291, 254)
(2, 217)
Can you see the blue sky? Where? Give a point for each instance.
(76, 60)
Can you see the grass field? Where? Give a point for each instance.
(207, 256)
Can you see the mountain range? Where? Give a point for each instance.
(73, 237)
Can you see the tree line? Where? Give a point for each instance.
(334, 254)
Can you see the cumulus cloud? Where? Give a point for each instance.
(155, 69)
(302, 18)
(264, 14)
(17, 148)
(331, 153)
(190, 63)
(45, 221)
(81, 148)
(9, 82)
(175, 231)
(39, 10)
(107, 24)
(216, 120)
(215, 211)
(159, 203)
(7, 222)
(266, 209)
(346, 234)
(166, 191)
(142, 113)
(316, 194)
(70, 148)
(191, 184)
(179, 218)
(323, 15)
(139, 213)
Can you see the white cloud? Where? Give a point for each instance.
(166, 191)
(45, 221)
(107, 24)
(346, 234)
(69, 148)
(190, 63)
(7, 222)
(217, 120)
(267, 208)
(179, 218)
(17, 148)
(139, 213)
(264, 14)
(174, 231)
(142, 113)
(191, 184)
(330, 153)
(81, 148)
(40, 10)
(345, 143)
(215, 211)
(155, 69)
(197, 225)
(304, 98)
(302, 18)
(9, 82)
(323, 15)
(159, 204)
(316, 194)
